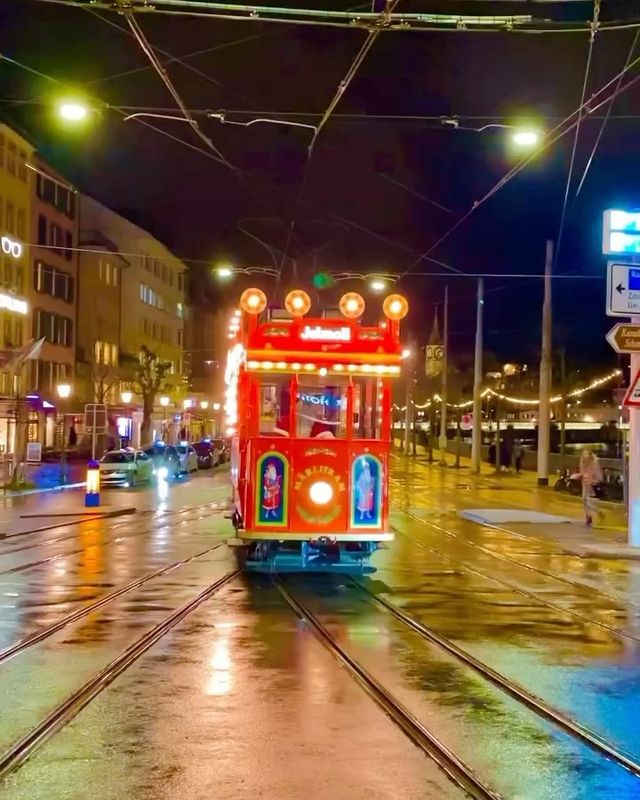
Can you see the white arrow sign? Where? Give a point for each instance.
(623, 289)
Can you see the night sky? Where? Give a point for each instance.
(350, 213)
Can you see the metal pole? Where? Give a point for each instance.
(563, 405)
(633, 491)
(63, 453)
(93, 435)
(445, 361)
(476, 435)
(407, 408)
(544, 416)
(458, 442)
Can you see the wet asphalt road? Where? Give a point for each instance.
(241, 699)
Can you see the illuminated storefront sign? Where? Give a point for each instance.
(13, 304)
(316, 333)
(10, 247)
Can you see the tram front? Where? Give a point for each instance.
(309, 401)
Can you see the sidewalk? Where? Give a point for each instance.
(491, 491)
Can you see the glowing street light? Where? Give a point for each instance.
(73, 111)
(164, 401)
(63, 390)
(126, 397)
(377, 285)
(526, 138)
(204, 405)
(224, 272)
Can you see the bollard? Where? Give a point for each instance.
(92, 492)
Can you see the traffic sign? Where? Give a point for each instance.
(95, 418)
(623, 289)
(466, 422)
(632, 397)
(624, 338)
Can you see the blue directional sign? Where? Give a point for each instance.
(621, 232)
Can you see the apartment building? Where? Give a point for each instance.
(52, 287)
(152, 289)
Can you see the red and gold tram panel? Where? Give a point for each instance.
(309, 408)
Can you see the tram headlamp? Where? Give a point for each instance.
(253, 301)
(320, 493)
(352, 305)
(395, 307)
(297, 303)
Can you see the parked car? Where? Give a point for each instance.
(206, 454)
(125, 468)
(188, 457)
(164, 457)
(222, 449)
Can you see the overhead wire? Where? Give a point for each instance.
(574, 147)
(605, 119)
(149, 52)
(560, 130)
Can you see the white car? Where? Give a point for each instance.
(125, 468)
(188, 457)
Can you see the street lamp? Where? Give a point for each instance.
(377, 285)
(204, 405)
(63, 390)
(526, 138)
(224, 272)
(126, 397)
(164, 402)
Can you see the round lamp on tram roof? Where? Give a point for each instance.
(253, 301)
(297, 303)
(352, 305)
(395, 307)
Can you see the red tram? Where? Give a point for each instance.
(309, 408)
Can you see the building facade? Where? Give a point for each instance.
(16, 191)
(53, 282)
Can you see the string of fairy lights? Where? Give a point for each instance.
(596, 383)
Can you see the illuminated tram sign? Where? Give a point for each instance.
(318, 333)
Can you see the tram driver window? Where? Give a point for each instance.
(321, 407)
(274, 406)
(367, 416)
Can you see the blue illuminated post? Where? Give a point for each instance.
(92, 491)
(621, 238)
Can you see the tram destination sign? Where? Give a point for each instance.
(625, 338)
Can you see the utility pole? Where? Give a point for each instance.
(445, 364)
(408, 399)
(476, 435)
(544, 410)
(563, 403)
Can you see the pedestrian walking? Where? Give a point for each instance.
(591, 475)
(518, 454)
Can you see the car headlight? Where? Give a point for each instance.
(320, 493)
(162, 473)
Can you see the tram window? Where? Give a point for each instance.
(274, 406)
(367, 417)
(321, 408)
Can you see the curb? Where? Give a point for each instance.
(11, 493)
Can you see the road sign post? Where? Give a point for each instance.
(634, 455)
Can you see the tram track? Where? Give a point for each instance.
(567, 724)
(44, 633)
(57, 719)
(116, 526)
(461, 565)
(59, 556)
(457, 770)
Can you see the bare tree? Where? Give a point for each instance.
(105, 375)
(150, 378)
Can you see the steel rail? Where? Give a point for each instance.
(537, 570)
(117, 526)
(44, 633)
(569, 725)
(67, 710)
(458, 772)
(58, 556)
(531, 595)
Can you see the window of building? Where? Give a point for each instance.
(54, 282)
(145, 326)
(18, 335)
(22, 166)
(2, 145)
(12, 153)
(179, 310)
(181, 282)
(68, 243)
(55, 328)
(154, 331)
(21, 227)
(11, 218)
(180, 337)
(7, 328)
(114, 276)
(8, 272)
(56, 238)
(164, 272)
(156, 267)
(49, 191)
(42, 229)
